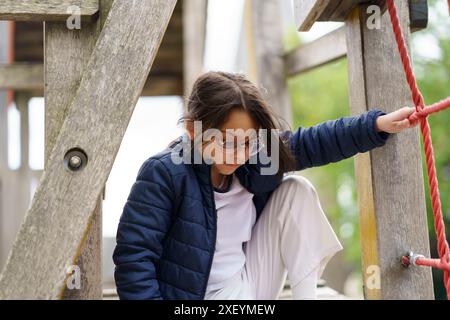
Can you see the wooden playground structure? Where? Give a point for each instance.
(127, 49)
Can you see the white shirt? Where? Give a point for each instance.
(236, 215)
(313, 242)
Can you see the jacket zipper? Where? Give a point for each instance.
(215, 236)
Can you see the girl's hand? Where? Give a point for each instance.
(396, 121)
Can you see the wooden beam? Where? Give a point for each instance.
(156, 85)
(3, 147)
(332, 10)
(23, 174)
(21, 76)
(339, 11)
(47, 10)
(390, 183)
(329, 10)
(62, 80)
(52, 233)
(346, 6)
(194, 32)
(326, 49)
(308, 11)
(343, 9)
(265, 49)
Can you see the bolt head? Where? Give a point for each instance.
(75, 161)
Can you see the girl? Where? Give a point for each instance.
(205, 228)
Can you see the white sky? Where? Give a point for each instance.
(222, 34)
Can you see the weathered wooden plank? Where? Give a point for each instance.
(3, 144)
(21, 76)
(389, 179)
(47, 10)
(339, 10)
(62, 80)
(265, 43)
(329, 10)
(156, 85)
(343, 9)
(308, 11)
(194, 32)
(23, 174)
(50, 238)
(326, 49)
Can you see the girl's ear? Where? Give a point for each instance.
(190, 128)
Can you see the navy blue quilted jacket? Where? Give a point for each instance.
(167, 231)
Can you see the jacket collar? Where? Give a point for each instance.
(190, 156)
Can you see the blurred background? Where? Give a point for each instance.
(316, 96)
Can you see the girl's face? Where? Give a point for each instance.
(227, 160)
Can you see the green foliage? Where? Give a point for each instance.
(318, 96)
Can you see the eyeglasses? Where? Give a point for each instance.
(253, 145)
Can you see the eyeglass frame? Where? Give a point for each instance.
(258, 140)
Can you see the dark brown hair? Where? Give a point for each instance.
(215, 94)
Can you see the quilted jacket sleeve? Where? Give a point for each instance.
(335, 140)
(143, 225)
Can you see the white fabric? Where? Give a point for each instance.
(306, 289)
(292, 236)
(236, 215)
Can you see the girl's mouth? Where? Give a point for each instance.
(233, 165)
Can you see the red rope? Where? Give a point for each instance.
(435, 263)
(421, 115)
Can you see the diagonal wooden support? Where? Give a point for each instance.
(308, 11)
(51, 235)
(47, 10)
(62, 79)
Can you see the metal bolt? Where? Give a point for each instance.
(410, 259)
(75, 159)
(406, 260)
(75, 162)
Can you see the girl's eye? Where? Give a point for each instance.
(231, 143)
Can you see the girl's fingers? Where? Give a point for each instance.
(406, 123)
(403, 124)
(404, 113)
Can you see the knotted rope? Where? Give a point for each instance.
(421, 114)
